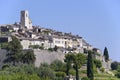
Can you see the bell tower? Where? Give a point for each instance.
(25, 20)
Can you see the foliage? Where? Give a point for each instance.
(77, 60)
(57, 65)
(19, 76)
(46, 72)
(37, 46)
(28, 57)
(50, 49)
(60, 75)
(41, 47)
(29, 69)
(68, 60)
(53, 49)
(85, 78)
(97, 63)
(106, 55)
(118, 72)
(83, 71)
(26, 69)
(94, 69)
(4, 45)
(72, 72)
(90, 65)
(34, 46)
(5, 66)
(14, 51)
(29, 72)
(114, 65)
(102, 69)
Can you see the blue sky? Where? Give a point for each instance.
(97, 21)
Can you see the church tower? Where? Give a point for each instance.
(25, 20)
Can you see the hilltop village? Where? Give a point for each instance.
(35, 36)
(48, 38)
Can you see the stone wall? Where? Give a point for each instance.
(2, 56)
(47, 56)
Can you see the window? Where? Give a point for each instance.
(58, 42)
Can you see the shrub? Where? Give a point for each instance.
(85, 78)
(4, 45)
(41, 47)
(117, 74)
(34, 46)
(83, 71)
(60, 74)
(72, 72)
(19, 76)
(102, 69)
(46, 72)
(57, 65)
(98, 63)
(50, 49)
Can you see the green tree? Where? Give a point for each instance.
(114, 65)
(78, 61)
(57, 65)
(29, 57)
(106, 55)
(68, 60)
(14, 51)
(60, 75)
(46, 72)
(97, 63)
(90, 66)
(118, 72)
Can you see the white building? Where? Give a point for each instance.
(25, 20)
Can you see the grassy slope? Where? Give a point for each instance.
(105, 77)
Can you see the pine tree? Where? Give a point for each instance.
(14, 51)
(106, 55)
(90, 71)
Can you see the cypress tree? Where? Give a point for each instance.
(90, 66)
(106, 55)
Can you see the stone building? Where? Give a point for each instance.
(25, 20)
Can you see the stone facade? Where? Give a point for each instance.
(25, 20)
(44, 56)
